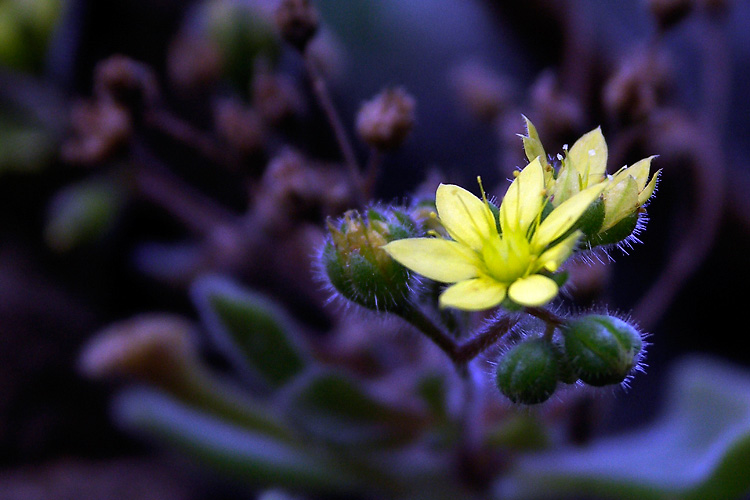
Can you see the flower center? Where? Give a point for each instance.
(508, 257)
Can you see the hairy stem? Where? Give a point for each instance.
(460, 353)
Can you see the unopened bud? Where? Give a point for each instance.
(100, 130)
(297, 21)
(357, 266)
(240, 127)
(125, 81)
(602, 349)
(635, 89)
(194, 62)
(528, 373)
(385, 121)
(153, 348)
(482, 92)
(275, 97)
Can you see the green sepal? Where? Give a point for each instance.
(617, 233)
(591, 220)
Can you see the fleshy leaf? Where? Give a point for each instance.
(250, 456)
(698, 448)
(254, 333)
(338, 409)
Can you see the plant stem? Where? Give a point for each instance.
(199, 214)
(545, 315)
(460, 353)
(320, 89)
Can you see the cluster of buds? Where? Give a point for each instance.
(618, 213)
(358, 267)
(596, 349)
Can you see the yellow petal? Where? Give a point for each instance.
(638, 171)
(620, 200)
(589, 156)
(534, 290)
(438, 259)
(567, 185)
(552, 259)
(523, 200)
(532, 145)
(563, 217)
(474, 294)
(466, 218)
(649, 189)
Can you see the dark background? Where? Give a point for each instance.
(54, 425)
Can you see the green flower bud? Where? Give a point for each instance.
(528, 373)
(602, 349)
(356, 265)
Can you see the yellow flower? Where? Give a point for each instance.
(583, 166)
(487, 263)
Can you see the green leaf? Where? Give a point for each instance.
(246, 455)
(699, 448)
(255, 334)
(338, 409)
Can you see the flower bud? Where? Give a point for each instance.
(484, 93)
(356, 265)
(127, 82)
(602, 349)
(297, 21)
(385, 121)
(528, 373)
(153, 348)
(100, 130)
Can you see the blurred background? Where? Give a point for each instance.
(88, 237)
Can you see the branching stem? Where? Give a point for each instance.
(460, 353)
